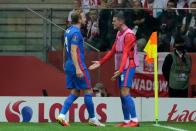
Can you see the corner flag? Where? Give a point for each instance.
(151, 51)
(151, 48)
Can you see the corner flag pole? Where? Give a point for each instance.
(151, 51)
(156, 102)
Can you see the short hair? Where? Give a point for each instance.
(120, 15)
(179, 40)
(76, 15)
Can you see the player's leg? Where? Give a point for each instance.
(85, 84)
(128, 105)
(128, 84)
(67, 104)
(125, 106)
(89, 102)
(123, 98)
(70, 78)
(70, 99)
(90, 108)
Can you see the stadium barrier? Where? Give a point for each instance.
(46, 109)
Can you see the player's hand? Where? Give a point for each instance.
(116, 74)
(79, 73)
(95, 65)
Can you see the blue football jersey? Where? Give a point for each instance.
(73, 36)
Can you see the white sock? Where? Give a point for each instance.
(126, 121)
(134, 119)
(62, 116)
(93, 119)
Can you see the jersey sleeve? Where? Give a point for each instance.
(129, 43)
(75, 39)
(109, 54)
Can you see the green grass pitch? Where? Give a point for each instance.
(146, 126)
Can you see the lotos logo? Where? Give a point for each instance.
(13, 113)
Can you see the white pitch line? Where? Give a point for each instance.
(169, 127)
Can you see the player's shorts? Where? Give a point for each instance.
(73, 82)
(125, 79)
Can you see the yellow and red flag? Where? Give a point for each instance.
(151, 48)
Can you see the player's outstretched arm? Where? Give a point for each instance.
(104, 59)
(95, 65)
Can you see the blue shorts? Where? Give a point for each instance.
(73, 82)
(125, 79)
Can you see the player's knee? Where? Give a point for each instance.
(75, 92)
(124, 91)
(88, 91)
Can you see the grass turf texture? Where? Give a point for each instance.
(146, 126)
